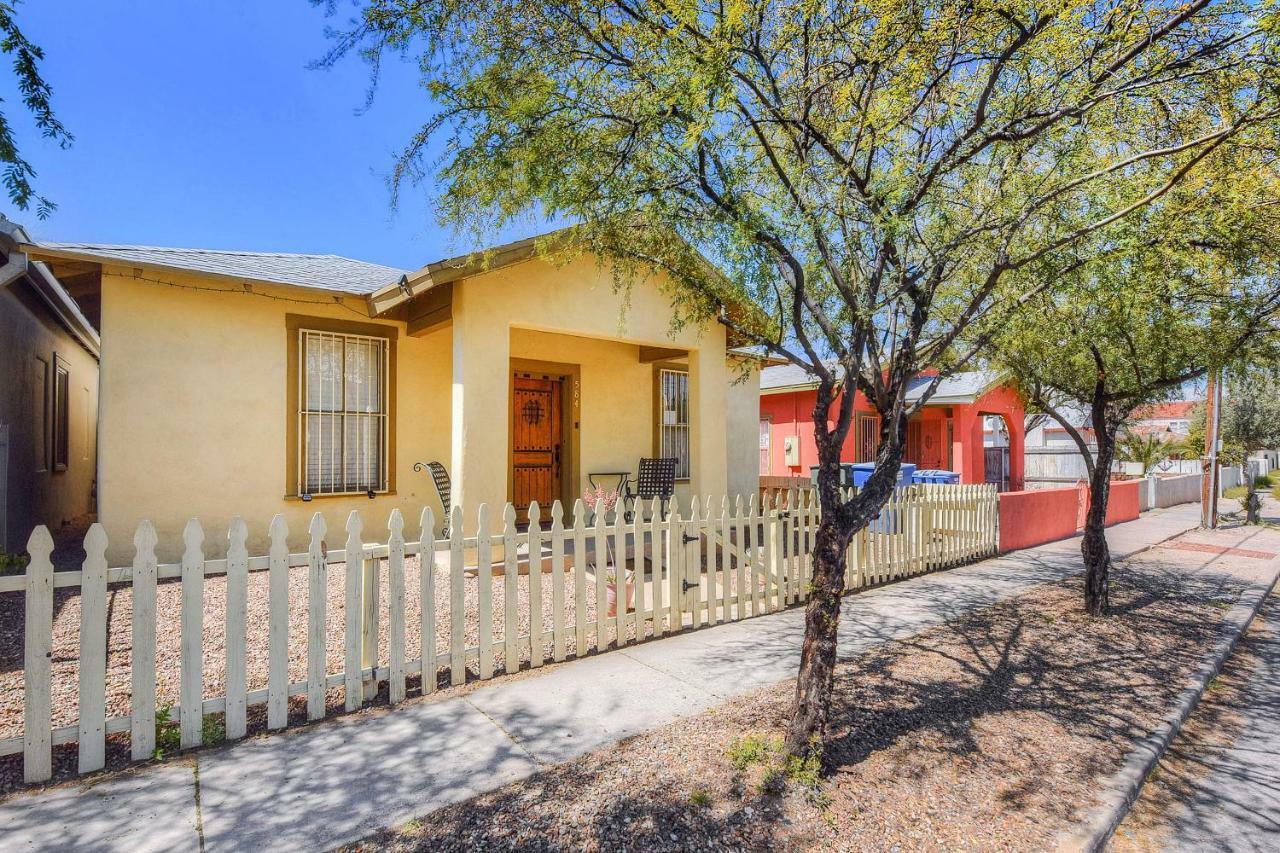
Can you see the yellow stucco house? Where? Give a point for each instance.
(239, 383)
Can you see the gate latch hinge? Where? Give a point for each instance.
(686, 538)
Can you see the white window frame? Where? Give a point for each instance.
(680, 423)
(378, 482)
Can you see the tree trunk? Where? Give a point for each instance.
(1097, 557)
(1252, 503)
(822, 614)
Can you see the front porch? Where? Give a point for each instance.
(539, 416)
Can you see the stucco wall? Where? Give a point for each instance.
(194, 415)
(743, 433)
(791, 412)
(1039, 516)
(1122, 501)
(578, 299)
(34, 492)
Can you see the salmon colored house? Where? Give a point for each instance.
(973, 425)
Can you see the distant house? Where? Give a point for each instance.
(1045, 432)
(973, 425)
(1169, 421)
(49, 350)
(250, 384)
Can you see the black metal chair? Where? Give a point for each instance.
(444, 488)
(656, 478)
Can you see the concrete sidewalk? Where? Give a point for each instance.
(339, 780)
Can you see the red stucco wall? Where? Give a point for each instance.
(790, 414)
(1122, 503)
(1038, 516)
(1047, 515)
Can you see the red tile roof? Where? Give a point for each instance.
(1176, 409)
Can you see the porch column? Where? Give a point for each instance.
(481, 364)
(708, 405)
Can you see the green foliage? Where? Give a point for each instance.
(753, 749)
(700, 798)
(169, 733)
(1263, 481)
(1147, 450)
(168, 737)
(37, 97)
(13, 564)
(873, 178)
(1250, 415)
(804, 770)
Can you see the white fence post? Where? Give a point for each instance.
(37, 713)
(353, 658)
(191, 687)
(317, 599)
(142, 709)
(395, 608)
(427, 566)
(93, 651)
(237, 605)
(278, 625)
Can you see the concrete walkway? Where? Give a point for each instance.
(340, 780)
(1235, 805)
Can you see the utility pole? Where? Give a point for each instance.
(1212, 423)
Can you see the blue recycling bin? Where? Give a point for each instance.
(935, 475)
(861, 472)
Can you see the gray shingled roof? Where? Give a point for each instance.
(322, 272)
(962, 387)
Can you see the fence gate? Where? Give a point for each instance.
(686, 554)
(996, 463)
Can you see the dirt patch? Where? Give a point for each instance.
(987, 733)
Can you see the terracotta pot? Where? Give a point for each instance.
(611, 591)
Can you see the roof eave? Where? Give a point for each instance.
(60, 303)
(38, 251)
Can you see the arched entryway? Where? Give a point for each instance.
(996, 451)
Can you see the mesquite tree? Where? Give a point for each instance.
(1177, 290)
(37, 98)
(866, 175)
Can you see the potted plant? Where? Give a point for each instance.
(611, 588)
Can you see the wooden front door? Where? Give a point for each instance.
(535, 444)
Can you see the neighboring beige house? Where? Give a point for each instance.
(240, 383)
(48, 396)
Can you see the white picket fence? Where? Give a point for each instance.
(718, 563)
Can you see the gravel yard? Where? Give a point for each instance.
(987, 733)
(66, 644)
(66, 641)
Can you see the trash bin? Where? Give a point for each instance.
(846, 474)
(861, 472)
(905, 473)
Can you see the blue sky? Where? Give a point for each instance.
(199, 124)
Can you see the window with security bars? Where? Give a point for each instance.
(673, 420)
(343, 413)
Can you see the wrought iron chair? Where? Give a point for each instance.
(444, 488)
(656, 478)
